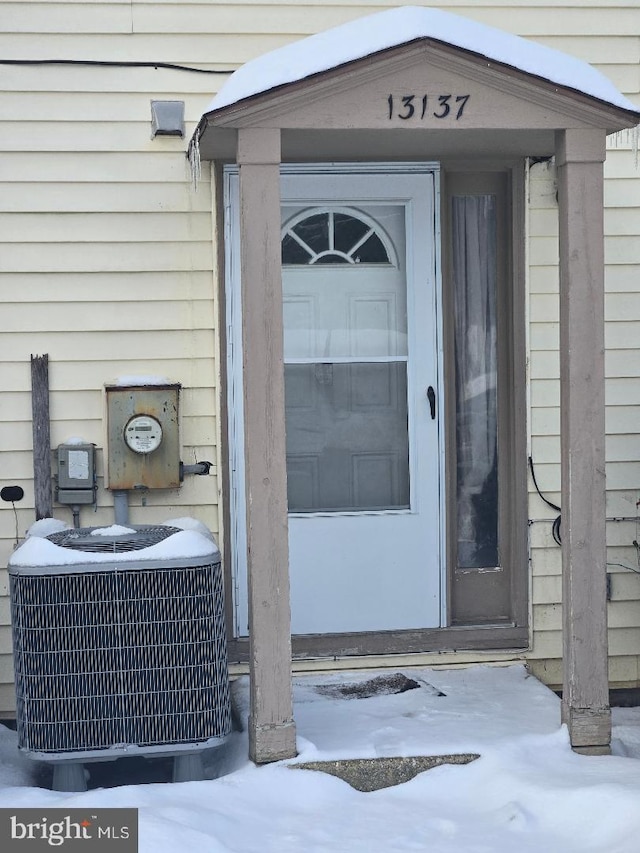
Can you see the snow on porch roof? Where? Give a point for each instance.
(373, 33)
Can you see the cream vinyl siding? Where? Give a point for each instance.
(544, 418)
(107, 256)
(622, 310)
(622, 338)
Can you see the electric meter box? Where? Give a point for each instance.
(76, 481)
(143, 437)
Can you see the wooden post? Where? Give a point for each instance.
(585, 703)
(41, 436)
(272, 733)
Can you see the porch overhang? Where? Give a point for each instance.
(330, 113)
(422, 95)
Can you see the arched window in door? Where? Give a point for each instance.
(335, 236)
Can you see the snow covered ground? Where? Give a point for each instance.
(527, 792)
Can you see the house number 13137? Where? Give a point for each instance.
(407, 107)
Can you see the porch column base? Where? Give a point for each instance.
(272, 743)
(592, 750)
(589, 729)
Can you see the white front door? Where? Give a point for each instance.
(362, 371)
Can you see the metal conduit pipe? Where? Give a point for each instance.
(121, 507)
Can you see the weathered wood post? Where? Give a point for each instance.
(41, 436)
(585, 704)
(272, 733)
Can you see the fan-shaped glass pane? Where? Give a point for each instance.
(348, 231)
(314, 231)
(333, 237)
(331, 259)
(372, 251)
(293, 252)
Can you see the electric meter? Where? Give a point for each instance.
(143, 438)
(143, 434)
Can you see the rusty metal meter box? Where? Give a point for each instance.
(143, 437)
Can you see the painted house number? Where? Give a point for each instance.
(407, 107)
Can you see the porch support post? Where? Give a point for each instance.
(585, 704)
(272, 734)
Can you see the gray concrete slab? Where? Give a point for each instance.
(372, 774)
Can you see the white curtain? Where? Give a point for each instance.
(474, 282)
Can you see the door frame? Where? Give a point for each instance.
(235, 421)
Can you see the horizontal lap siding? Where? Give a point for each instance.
(544, 421)
(622, 338)
(106, 260)
(106, 254)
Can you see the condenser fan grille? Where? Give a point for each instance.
(130, 655)
(86, 539)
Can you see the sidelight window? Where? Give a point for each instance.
(474, 270)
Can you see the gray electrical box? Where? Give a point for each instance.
(143, 442)
(76, 474)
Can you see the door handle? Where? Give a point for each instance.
(431, 396)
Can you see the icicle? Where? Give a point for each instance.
(194, 160)
(629, 136)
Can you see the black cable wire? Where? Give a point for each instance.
(556, 526)
(15, 513)
(116, 64)
(625, 566)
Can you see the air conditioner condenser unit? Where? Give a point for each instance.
(119, 651)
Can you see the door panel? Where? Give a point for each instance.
(365, 462)
(363, 456)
